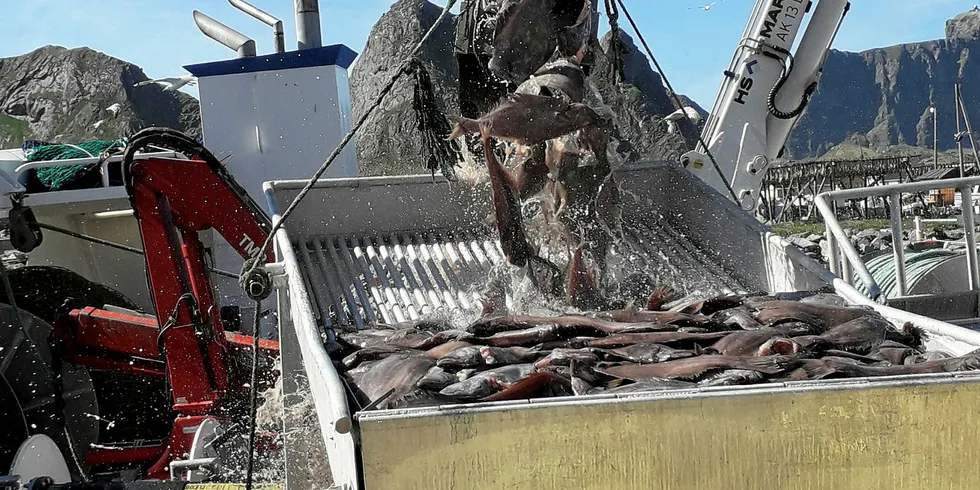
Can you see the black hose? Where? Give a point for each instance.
(771, 101)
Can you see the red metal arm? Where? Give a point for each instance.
(173, 201)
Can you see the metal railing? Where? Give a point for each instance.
(104, 163)
(893, 192)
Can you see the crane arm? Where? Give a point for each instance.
(764, 92)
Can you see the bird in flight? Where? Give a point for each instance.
(704, 7)
(171, 82)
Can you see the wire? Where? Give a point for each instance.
(677, 100)
(405, 64)
(253, 394)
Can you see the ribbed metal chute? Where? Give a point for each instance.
(359, 280)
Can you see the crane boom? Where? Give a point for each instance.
(764, 92)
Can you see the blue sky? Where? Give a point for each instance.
(692, 45)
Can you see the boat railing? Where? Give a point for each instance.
(22, 170)
(838, 241)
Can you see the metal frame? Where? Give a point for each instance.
(26, 167)
(835, 233)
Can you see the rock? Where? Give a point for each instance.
(816, 238)
(60, 95)
(805, 245)
(881, 97)
(640, 104)
(965, 26)
(390, 143)
(869, 234)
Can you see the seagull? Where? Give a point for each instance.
(688, 112)
(171, 82)
(114, 109)
(704, 7)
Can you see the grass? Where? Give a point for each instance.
(13, 128)
(797, 227)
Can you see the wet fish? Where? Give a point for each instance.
(542, 383)
(733, 377)
(507, 210)
(667, 318)
(831, 368)
(531, 174)
(660, 296)
(529, 32)
(860, 336)
(486, 383)
(748, 342)
(436, 379)
(445, 349)
(771, 313)
(370, 354)
(400, 371)
(539, 335)
(583, 288)
(561, 78)
(694, 368)
(928, 356)
(564, 357)
(411, 338)
(481, 356)
(656, 338)
(737, 317)
(648, 353)
(909, 335)
(528, 120)
(893, 355)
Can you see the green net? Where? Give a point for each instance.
(54, 178)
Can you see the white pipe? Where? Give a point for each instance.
(225, 35)
(279, 43)
(307, 24)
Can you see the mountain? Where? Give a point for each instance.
(61, 95)
(881, 97)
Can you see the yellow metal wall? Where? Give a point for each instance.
(886, 438)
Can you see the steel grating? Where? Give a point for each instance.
(405, 276)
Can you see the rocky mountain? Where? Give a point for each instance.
(638, 105)
(881, 97)
(62, 95)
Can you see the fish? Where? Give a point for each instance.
(531, 174)
(370, 354)
(507, 209)
(655, 338)
(545, 383)
(486, 383)
(737, 317)
(893, 355)
(529, 32)
(859, 336)
(411, 338)
(660, 296)
(463, 357)
(648, 353)
(833, 368)
(748, 342)
(562, 78)
(583, 288)
(445, 349)
(926, 357)
(528, 120)
(668, 318)
(400, 371)
(694, 368)
(733, 377)
(564, 357)
(588, 325)
(481, 356)
(909, 335)
(436, 379)
(540, 334)
(771, 313)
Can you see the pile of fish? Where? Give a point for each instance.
(726, 340)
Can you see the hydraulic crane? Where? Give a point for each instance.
(765, 91)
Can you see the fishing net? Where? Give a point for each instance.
(70, 176)
(437, 152)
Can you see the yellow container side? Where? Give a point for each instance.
(904, 436)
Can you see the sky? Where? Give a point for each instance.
(692, 45)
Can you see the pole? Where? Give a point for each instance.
(969, 132)
(959, 135)
(935, 138)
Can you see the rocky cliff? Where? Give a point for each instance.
(881, 97)
(638, 105)
(62, 95)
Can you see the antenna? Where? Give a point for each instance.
(225, 35)
(276, 24)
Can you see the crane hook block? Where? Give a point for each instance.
(25, 234)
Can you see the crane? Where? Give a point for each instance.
(765, 90)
